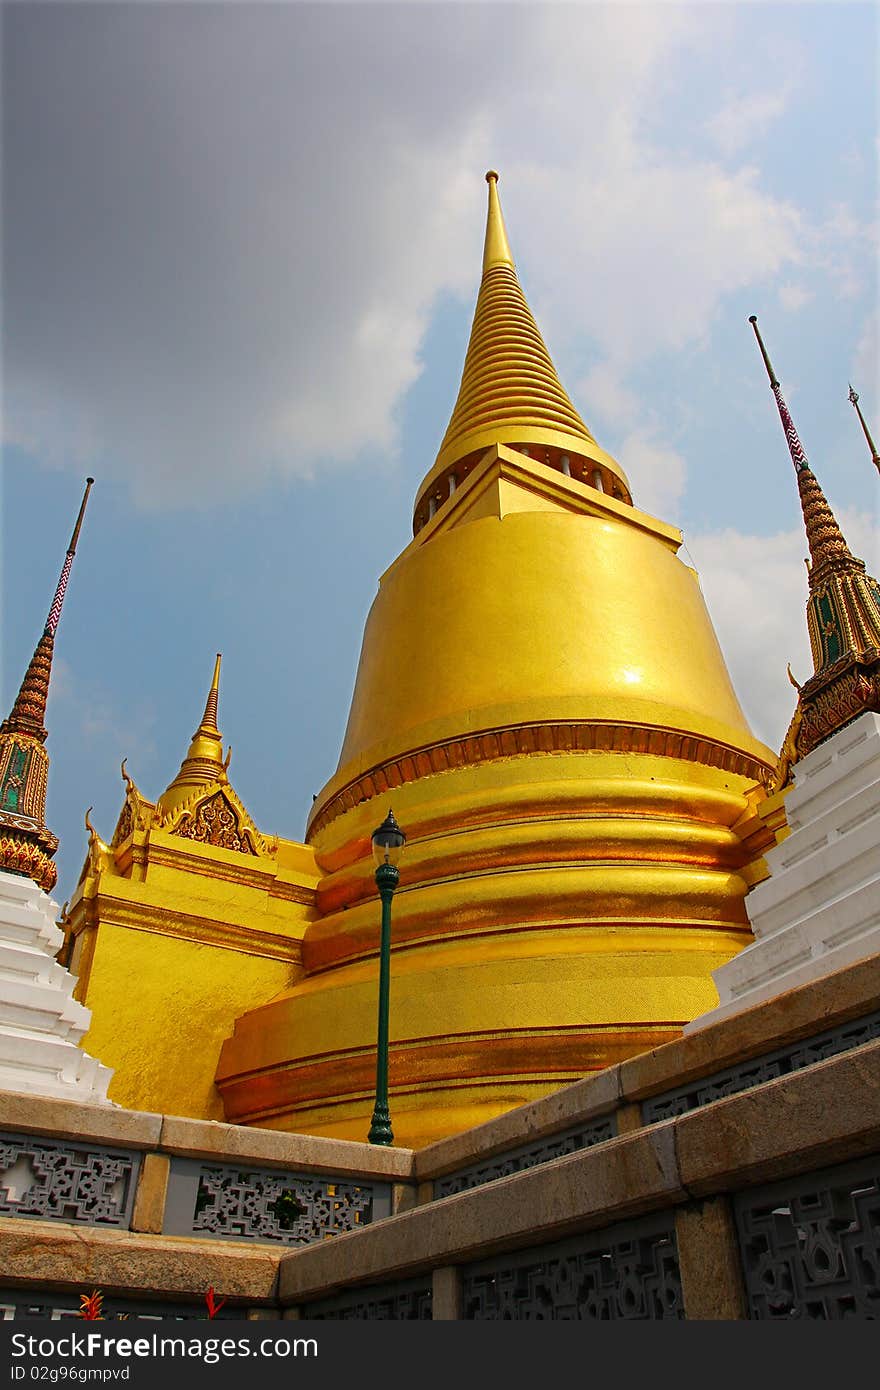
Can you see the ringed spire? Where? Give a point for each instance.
(510, 392)
(29, 710)
(26, 845)
(843, 609)
(204, 761)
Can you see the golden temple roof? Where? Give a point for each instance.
(204, 761)
(510, 392)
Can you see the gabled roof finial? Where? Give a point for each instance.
(204, 760)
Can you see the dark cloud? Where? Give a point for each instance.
(215, 218)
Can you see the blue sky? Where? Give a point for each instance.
(241, 247)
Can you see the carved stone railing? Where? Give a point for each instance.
(809, 1245)
(527, 1156)
(406, 1301)
(673, 1219)
(739, 1198)
(240, 1202)
(822, 1019)
(757, 1070)
(627, 1272)
(66, 1180)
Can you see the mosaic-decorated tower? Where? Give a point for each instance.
(820, 907)
(26, 845)
(41, 1023)
(843, 609)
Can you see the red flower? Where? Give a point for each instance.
(214, 1304)
(91, 1305)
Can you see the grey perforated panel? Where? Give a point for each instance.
(236, 1203)
(628, 1271)
(409, 1301)
(527, 1156)
(810, 1246)
(765, 1068)
(58, 1180)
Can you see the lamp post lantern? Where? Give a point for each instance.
(388, 840)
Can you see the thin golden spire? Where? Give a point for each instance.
(209, 718)
(854, 399)
(204, 760)
(510, 392)
(496, 248)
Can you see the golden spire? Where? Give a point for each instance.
(496, 249)
(854, 398)
(208, 726)
(204, 760)
(843, 608)
(510, 392)
(26, 846)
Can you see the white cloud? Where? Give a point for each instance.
(655, 471)
(836, 242)
(609, 397)
(249, 237)
(83, 708)
(228, 228)
(650, 286)
(866, 366)
(794, 297)
(746, 117)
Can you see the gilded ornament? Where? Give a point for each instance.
(124, 826)
(215, 822)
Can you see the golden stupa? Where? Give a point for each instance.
(542, 701)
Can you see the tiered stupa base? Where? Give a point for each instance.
(820, 908)
(41, 1024)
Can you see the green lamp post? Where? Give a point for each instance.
(388, 840)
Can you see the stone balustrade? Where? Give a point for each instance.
(698, 1180)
